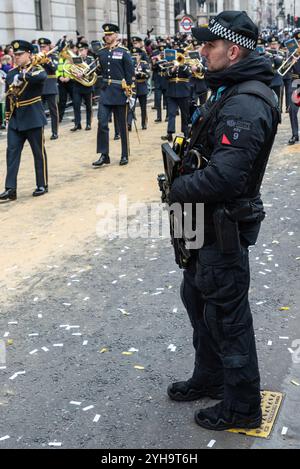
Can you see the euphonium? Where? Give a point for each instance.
(80, 72)
(289, 62)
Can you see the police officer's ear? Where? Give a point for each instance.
(234, 52)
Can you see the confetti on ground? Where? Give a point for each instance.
(123, 311)
(2, 367)
(284, 430)
(291, 350)
(58, 345)
(88, 408)
(283, 338)
(266, 287)
(76, 333)
(17, 374)
(270, 342)
(33, 351)
(175, 310)
(54, 443)
(138, 367)
(103, 350)
(13, 322)
(132, 349)
(211, 443)
(295, 383)
(172, 348)
(127, 353)
(6, 437)
(9, 342)
(40, 316)
(284, 308)
(45, 349)
(260, 303)
(67, 304)
(75, 403)
(34, 334)
(96, 418)
(6, 334)
(86, 298)
(85, 342)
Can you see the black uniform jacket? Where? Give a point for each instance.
(50, 85)
(235, 141)
(179, 85)
(115, 64)
(142, 73)
(29, 112)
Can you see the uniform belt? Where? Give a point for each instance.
(28, 102)
(114, 82)
(178, 80)
(51, 76)
(295, 76)
(141, 80)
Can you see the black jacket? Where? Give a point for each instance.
(234, 142)
(29, 112)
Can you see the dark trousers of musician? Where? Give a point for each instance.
(15, 144)
(288, 92)
(278, 90)
(51, 100)
(143, 106)
(64, 90)
(200, 98)
(184, 106)
(160, 95)
(116, 125)
(294, 118)
(103, 129)
(214, 292)
(77, 100)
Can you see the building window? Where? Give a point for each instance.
(213, 7)
(38, 14)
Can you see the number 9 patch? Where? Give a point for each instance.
(236, 132)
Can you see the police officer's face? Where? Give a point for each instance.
(22, 58)
(219, 55)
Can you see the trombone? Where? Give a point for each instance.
(289, 62)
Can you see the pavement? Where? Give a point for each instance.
(94, 329)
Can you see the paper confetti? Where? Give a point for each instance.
(6, 437)
(172, 347)
(88, 408)
(33, 351)
(132, 349)
(284, 308)
(211, 443)
(17, 374)
(103, 350)
(75, 403)
(54, 443)
(284, 430)
(295, 383)
(138, 367)
(127, 353)
(96, 418)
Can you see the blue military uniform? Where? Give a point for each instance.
(116, 69)
(83, 93)
(142, 73)
(26, 117)
(178, 94)
(161, 86)
(293, 111)
(50, 90)
(277, 81)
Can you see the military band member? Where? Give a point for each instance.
(198, 83)
(26, 116)
(117, 70)
(294, 108)
(277, 59)
(160, 81)
(137, 42)
(178, 94)
(142, 73)
(65, 87)
(50, 90)
(81, 92)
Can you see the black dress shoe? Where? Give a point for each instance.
(221, 418)
(144, 127)
(54, 137)
(129, 128)
(88, 127)
(40, 191)
(157, 120)
(293, 140)
(9, 194)
(104, 159)
(117, 137)
(124, 160)
(168, 137)
(188, 391)
(76, 127)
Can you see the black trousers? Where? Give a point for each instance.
(78, 97)
(184, 105)
(143, 105)
(293, 111)
(215, 293)
(51, 100)
(158, 94)
(288, 92)
(15, 143)
(64, 90)
(120, 113)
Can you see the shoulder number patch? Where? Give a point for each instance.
(236, 132)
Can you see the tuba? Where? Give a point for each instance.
(80, 71)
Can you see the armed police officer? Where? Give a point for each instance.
(50, 90)
(235, 133)
(117, 72)
(26, 119)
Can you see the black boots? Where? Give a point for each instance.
(40, 191)
(124, 160)
(188, 391)
(168, 137)
(76, 127)
(221, 418)
(293, 140)
(9, 194)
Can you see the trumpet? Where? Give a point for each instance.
(81, 72)
(289, 62)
